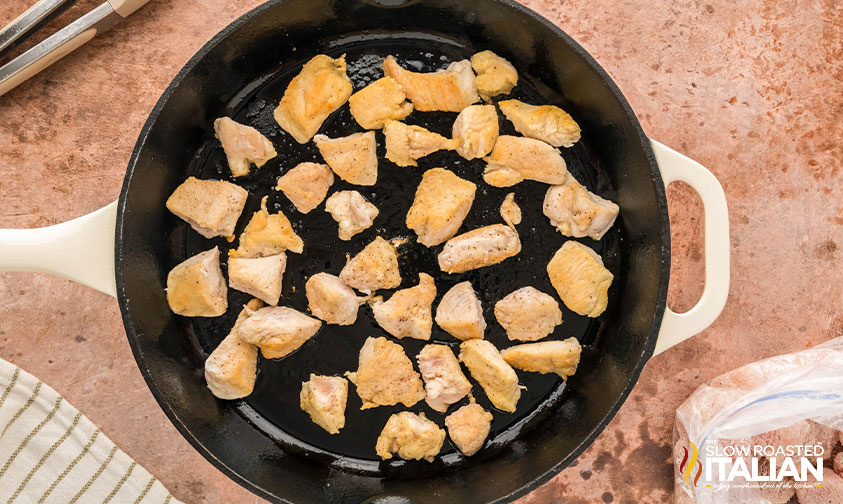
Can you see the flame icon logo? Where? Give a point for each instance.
(687, 466)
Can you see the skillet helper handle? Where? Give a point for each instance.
(677, 327)
(81, 249)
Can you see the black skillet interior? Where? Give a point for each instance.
(266, 441)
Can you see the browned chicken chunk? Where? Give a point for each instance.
(449, 90)
(278, 330)
(352, 212)
(324, 399)
(258, 276)
(479, 248)
(306, 185)
(575, 211)
(407, 313)
(510, 211)
(381, 100)
(243, 145)
(578, 275)
(497, 378)
(196, 287)
(547, 123)
(460, 313)
(476, 130)
(385, 375)
(528, 314)
(444, 382)
(406, 143)
(468, 427)
(495, 75)
(411, 436)
(518, 158)
(375, 267)
(441, 203)
(560, 357)
(331, 300)
(353, 158)
(267, 235)
(211, 207)
(231, 369)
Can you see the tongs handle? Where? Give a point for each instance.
(31, 21)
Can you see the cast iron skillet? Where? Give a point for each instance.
(266, 442)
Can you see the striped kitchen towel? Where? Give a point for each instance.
(50, 452)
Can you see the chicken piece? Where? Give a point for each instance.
(449, 90)
(324, 399)
(579, 277)
(278, 330)
(267, 235)
(838, 463)
(560, 357)
(352, 212)
(469, 427)
(547, 123)
(408, 312)
(331, 300)
(243, 145)
(479, 248)
(320, 88)
(575, 211)
(406, 143)
(518, 158)
(460, 313)
(353, 158)
(495, 75)
(211, 207)
(510, 211)
(196, 287)
(258, 276)
(381, 100)
(821, 491)
(385, 375)
(476, 129)
(528, 314)
(411, 436)
(441, 203)
(444, 382)
(375, 267)
(306, 185)
(497, 378)
(231, 369)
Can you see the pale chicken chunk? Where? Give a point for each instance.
(444, 382)
(518, 158)
(497, 378)
(243, 145)
(353, 158)
(528, 314)
(411, 436)
(267, 235)
(352, 212)
(441, 203)
(231, 369)
(449, 90)
(560, 357)
(408, 312)
(510, 211)
(381, 100)
(479, 248)
(320, 88)
(547, 123)
(306, 185)
(211, 207)
(196, 287)
(579, 277)
(495, 75)
(324, 399)
(575, 211)
(278, 330)
(331, 300)
(469, 427)
(406, 143)
(258, 276)
(460, 313)
(476, 130)
(385, 375)
(375, 267)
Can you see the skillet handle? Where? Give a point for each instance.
(81, 249)
(677, 327)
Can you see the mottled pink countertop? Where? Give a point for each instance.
(752, 90)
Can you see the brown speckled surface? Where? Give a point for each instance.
(753, 90)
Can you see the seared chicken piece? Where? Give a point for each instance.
(243, 145)
(353, 158)
(381, 100)
(324, 399)
(547, 123)
(385, 375)
(267, 235)
(278, 330)
(460, 313)
(211, 207)
(258, 276)
(497, 378)
(476, 129)
(352, 212)
(468, 427)
(528, 314)
(510, 211)
(495, 75)
(405, 143)
(320, 88)
(576, 211)
(408, 312)
(231, 368)
(443, 379)
(518, 158)
(196, 287)
(375, 267)
(449, 90)
(410, 436)
(578, 275)
(560, 357)
(442, 201)
(306, 185)
(331, 300)
(478, 248)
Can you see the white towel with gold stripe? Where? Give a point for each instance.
(51, 453)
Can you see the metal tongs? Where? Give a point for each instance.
(59, 44)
